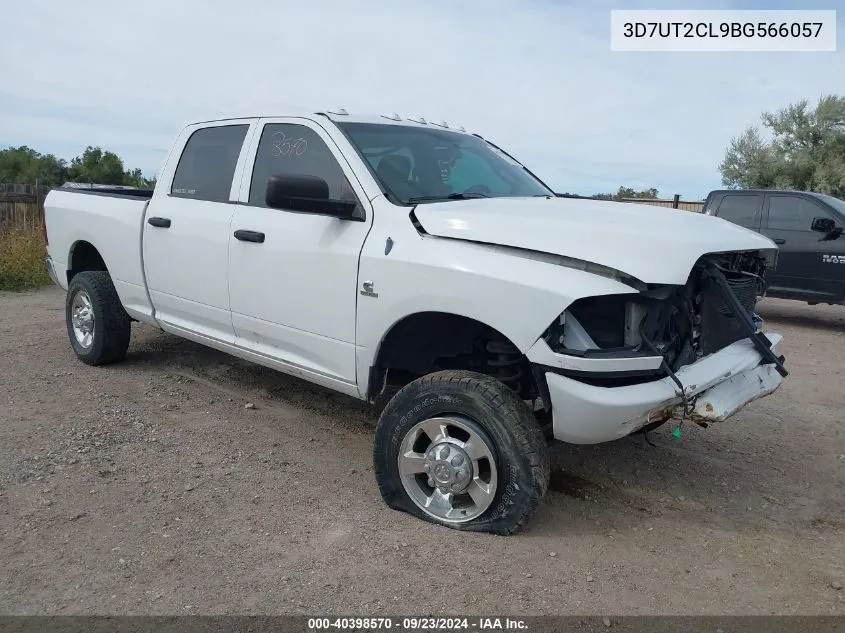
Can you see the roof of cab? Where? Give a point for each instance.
(340, 115)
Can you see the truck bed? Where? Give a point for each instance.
(110, 219)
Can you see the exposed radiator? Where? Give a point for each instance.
(719, 326)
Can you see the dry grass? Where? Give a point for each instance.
(22, 253)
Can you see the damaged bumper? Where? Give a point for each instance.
(719, 384)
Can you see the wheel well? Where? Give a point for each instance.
(83, 257)
(432, 341)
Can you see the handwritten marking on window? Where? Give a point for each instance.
(283, 146)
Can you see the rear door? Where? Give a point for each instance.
(186, 230)
(802, 270)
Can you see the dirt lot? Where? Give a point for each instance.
(148, 487)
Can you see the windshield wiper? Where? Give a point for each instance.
(451, 196)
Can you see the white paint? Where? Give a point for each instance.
(651, 243)
(728, 397)
(113, 226)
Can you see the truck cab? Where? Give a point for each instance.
(806, 226)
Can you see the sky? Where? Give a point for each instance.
(536, 77)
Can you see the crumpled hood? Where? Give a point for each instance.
(654, 244)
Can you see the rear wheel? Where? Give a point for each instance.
(462, 450)
(97, 324)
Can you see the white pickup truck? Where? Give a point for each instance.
(410, 263)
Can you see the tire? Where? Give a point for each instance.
(473, 407)
(93, 292)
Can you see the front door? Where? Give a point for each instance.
(807, 264)
(294, 294)
(186, 233)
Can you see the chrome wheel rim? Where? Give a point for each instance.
(82, 319)
(448, 468)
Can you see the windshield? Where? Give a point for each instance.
(416, 164)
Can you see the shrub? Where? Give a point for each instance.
(22, 253)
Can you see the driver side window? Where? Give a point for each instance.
(287, 149)
(793, 213)
(468, 170)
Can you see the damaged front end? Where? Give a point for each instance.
(653, 334)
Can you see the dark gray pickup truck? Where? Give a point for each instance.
(806, 226)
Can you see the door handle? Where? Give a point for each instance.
(779, 240)
(249, 236)
(163, 223)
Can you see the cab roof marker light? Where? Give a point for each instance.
(461, 128)
(417, 119)
(338, 111)
(392, 117)
(440, 124)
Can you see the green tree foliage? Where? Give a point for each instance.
(806, 151)
(23, 165)
(26, 166)
(627, 192)
(98, 166)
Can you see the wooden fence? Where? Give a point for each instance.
(22, 205)
(675, 203)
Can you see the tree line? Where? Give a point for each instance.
(24, 165)
(623, 193)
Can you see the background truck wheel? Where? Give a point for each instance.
(97, 324)
(461, 449)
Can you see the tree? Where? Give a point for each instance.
(806, 150)
(23, 165)
(26, 166)
(97, 166)
(628, 192)
(135, 178)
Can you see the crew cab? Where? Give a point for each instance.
(806, 226)
(422, 268)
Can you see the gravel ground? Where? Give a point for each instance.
(149, 487)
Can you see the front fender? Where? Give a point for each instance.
(514, 293)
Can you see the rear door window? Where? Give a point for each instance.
(207, 166)
(740, 209)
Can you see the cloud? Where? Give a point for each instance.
(537, 77)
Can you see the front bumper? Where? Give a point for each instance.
(723, 382)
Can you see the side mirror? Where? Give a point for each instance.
(823, 225)
(306, 194)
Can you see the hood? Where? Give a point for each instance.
(655, 244)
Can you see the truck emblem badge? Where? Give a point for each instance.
(368, 290)
(833, 259)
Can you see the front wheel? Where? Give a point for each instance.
(462, 450)
(97, 325)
